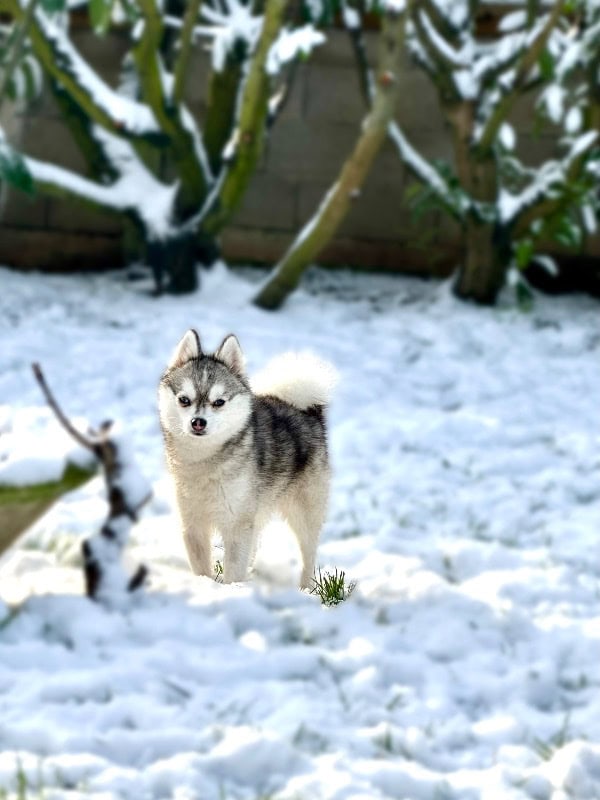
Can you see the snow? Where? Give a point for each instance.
(136, 188)
(234, 23)
(128, 114)
(465, 446)
(420, 166)
(507, 136)
(129, 478)
(513, 21)
(549, 180)
(291, 43)
(23, 461)
(574, 121)
(554, 100)
(351, 17)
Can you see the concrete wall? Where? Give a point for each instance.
(304, 153)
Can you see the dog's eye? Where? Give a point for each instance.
(184, 401)
(219, 402)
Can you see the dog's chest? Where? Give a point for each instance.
(216, 494)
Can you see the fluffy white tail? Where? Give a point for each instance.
(302, 379)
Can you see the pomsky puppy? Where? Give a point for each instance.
(241, 452)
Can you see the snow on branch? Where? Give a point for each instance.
(127, 492)
(290, 44)
(548, 188)
(160, 89)
(244, 146)
(136, 190)
(536, 41)
(441, 49)
(121, 115)
(234, 23)
(424, 171)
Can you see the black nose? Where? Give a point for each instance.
(198, 424)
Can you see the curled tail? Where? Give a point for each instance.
(301, 379)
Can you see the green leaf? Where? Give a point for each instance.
(568, 233)
(570, 7)
(53, 6)
(13, 169)
(412, 191)
(29, 78)
(524, 296)
(547, 65)
(100, 11)
(523, 251)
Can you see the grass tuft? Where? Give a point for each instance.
(546, 749)
(331, 587)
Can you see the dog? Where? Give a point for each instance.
(241, 452)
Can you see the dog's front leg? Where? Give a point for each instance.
(239, 545)
(196, 528)
(198, 545)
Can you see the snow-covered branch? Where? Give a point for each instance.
(424, 172)
(244, 146)
(120, 115)
(127, 492)
(158, 92)
(135, 191)
(186, 40)
(551, 189)
(529, 58)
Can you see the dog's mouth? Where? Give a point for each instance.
(199, 433)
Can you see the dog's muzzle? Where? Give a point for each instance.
(198, 425)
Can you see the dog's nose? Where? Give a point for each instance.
(198, 424)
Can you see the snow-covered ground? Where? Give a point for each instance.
(465, 505)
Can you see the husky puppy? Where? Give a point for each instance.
(240, 454)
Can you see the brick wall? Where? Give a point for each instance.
(303, 155)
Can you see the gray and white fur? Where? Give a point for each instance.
(241, 453)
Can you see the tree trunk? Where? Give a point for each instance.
(334, 206)
(223, 90)
(487, 247)
(207, 249)
(174, 261)
(482, 272)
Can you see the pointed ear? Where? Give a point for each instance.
(188, 348)
(230, 353)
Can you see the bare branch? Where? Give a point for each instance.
(439, 68)
(17, 49)
(279, 100)
(409, 156)
(64, 421)
(185, 49)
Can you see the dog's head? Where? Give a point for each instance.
(205, 399)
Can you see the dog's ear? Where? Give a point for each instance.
(188, 348)
(230, 353)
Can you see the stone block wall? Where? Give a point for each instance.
(304, 153)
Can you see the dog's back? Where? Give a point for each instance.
(290, 438)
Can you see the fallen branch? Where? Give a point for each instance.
(127, 493)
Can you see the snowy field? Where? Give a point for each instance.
(465, 505)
